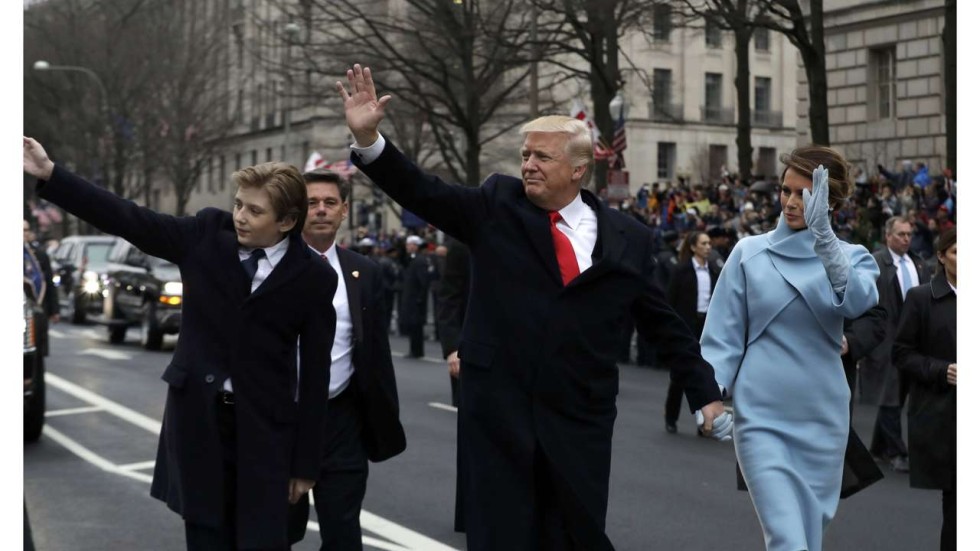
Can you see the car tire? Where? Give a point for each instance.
(34, 406)
(152, 336)
(77, 305)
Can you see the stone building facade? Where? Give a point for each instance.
(886, 94)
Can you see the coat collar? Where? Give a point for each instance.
(293, 262)
(607, 249)
(940, 287)
(787, 242)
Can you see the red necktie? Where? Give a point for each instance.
(567, 263)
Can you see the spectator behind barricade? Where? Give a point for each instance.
(901, 179)
(921, 178)
(890, 204)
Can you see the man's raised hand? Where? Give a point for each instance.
(36, 161)
(362, 107)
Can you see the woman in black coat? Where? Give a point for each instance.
(925, 351)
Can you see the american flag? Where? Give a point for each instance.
(344, 168)
(619, 142)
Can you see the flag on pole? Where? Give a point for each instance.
(619, 142)
(578, 111)
(344, 168)
(315, 161)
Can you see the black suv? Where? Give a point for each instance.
(141, 290)
(79, 265)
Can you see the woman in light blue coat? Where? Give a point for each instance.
(774, 333)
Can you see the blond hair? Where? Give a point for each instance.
(579, 145)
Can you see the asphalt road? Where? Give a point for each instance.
(86, 482)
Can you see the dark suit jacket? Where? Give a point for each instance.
(225, 331)
(924, 346)
(374, 374)
(863, 334)
(682, 292)
(414, 298)
(538, 358)
(878, 370)
(454, 291)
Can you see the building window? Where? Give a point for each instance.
(255, 157)
(666, 160)
(662, 83)
(717, 158)
(661, 23)
(712, 34)
(763, 94)
(238, 161)
(766, 164)
(712, 97)
(881, 65)
(210, 170)
(761, 37)
(222, 175)
(268, 154)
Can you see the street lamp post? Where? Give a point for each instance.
(291, 30)
(41, 65)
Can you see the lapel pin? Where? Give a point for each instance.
(356, 274)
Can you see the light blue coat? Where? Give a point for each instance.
(773, 335)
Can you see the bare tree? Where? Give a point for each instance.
(457, 68)
(189, 110)
(787, 17)
(742, 18)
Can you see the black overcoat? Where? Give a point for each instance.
(538, 359)
(225, 331)
(374, 374)
(879, 378)
(924, 347)
(682, 291)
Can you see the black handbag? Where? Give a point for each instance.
(860, 469)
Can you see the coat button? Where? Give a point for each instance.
(209, 378)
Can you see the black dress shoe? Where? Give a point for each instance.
(671, 426)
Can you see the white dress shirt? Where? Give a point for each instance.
(267, 263)
(578, 221)
(341, 366)
(913, 273)
(704, 285)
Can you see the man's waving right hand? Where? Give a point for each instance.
(362, 107)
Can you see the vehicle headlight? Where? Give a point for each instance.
(173, 292)
(56, 279)
(91, 286)
(89, 275)
(175, 288)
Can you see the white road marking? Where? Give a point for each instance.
(140, 466)
(56, 334)
(406, 539)
(71, 411)
(106, 353)
(119, 410)
(92, 457)
(91, 334)
(446, 407)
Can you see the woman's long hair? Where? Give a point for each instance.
(945, 241)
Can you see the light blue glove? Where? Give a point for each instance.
(722, 428)
(816, 213)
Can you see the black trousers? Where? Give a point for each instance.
(416, 340)
(947, 540)
(207, 538)
(675, 392)
(886, 440)
(340, 488)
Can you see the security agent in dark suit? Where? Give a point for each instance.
(414, 307)
(900, 271)
(688, 293)
(242, 425)
(362, 418)
(554, 273)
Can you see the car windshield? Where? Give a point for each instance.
(97, 255)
